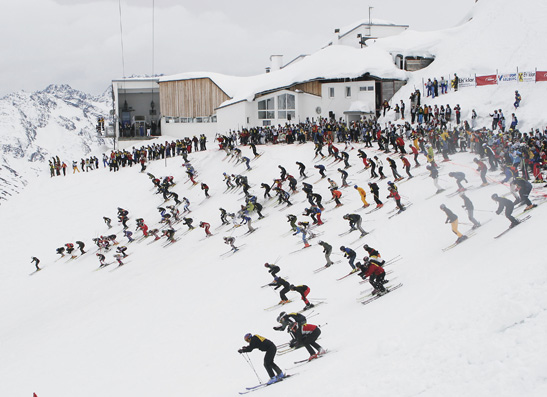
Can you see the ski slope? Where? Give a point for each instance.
(469, 321)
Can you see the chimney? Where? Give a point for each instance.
(336, 36)
(276, 62)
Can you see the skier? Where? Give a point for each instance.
(283, 172)
(523, 187)
(415, 152)
(395, 194)
(434, 174)
(303, 290)
(300, 229)
(406, 164)
(81, 246)
(69, 248)
(246, 219)
(336, 194)
(188, 222)
(321, 169)
(107, 221)
(61, 251)
(468, 206)
(376, 275)
(170, 235)
(393, 167)
(302, 168)
(231, 241)
(205, 188)
(101, 259)
(186, 205)
(355, 223)
(118, 258)
(292, 221)
(363, 195)
(375, 190)
(518, 98)
(344, 177)
(306, 335)
(206, 226)
(453, 219)
(278, 283)
(327, 250)
(265, 345)
(129, 235)
(121, 250)
(380, 167)
(36, 261)
(508, 205)
(273, 269)
(374, 255)
(459, 176)
(350, 254)
(482, 168)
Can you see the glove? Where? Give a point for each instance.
(293, 343)
(278, 328)
(240, 351)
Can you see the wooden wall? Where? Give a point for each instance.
(311, 87)
(190, 98)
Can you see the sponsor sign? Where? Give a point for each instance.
(491, 79)
(541, 76)
(507, 78)
(466, 81)
(527, 77)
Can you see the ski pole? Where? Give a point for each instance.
(248, 359)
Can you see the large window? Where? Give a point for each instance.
(331, 92)
(266, 109)
(286, 107)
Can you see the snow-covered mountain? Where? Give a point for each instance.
(57, 121)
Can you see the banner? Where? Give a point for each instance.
(507, 78)
(466, 81)
(487, 80)
(541, 76)
(527, 77)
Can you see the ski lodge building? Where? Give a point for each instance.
(346, 80)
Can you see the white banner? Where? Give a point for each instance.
(466, 81)
(506, 78)
(526, 77)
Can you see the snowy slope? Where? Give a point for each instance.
(467, 322)
(57, 121)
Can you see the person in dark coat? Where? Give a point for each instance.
(265, 345)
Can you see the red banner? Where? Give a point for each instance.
(541, 76)
(487, 80)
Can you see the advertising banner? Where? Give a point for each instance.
(541, 76)
(491, 79)
(466, 81)
(507, 78)
(527, 77)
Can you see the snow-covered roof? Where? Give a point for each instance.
(366, 22)
(329, 63)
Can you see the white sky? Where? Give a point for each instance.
(77, 42)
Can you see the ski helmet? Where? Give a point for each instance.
(494, 196)
(342, 248)
(281, 317)
(355, 187)
(247, 337)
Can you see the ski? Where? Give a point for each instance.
(367, 301)
(263, 385)
(34, 272)
(299, 250)
(227, 254)
(365, 281)
(308, 308)
(307, 360)
(468, 235)
(400, 211)
(508, 229)
(347, 275)
(325, 267)
(276, 306)
(366, 293)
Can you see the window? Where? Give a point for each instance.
(286, 106)
(348, 92)
(362, 88)
(331, 92)
(266, 109)
(266, 122)
(371, 88)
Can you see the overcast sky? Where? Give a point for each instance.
(78, 42)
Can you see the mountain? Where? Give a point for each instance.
(34, 127)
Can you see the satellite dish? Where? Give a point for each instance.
(318, 110)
